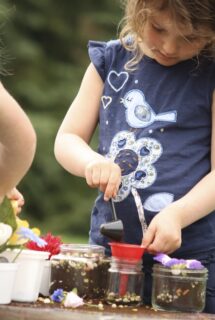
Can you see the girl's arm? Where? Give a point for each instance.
(164, 232)
(72, 148)
(71, 145)
(17, 142)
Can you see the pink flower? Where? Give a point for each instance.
(73, 300)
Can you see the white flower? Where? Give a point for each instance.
(73, 300)
(5, 233)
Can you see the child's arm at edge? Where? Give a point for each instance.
(17, 142)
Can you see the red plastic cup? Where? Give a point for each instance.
(126, 251)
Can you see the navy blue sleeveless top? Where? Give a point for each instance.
(155, 122)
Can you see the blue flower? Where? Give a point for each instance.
(58, 295)
(194, 264)
(25, 233)
(175, 263)
(162, 258)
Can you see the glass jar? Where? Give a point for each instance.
(79, 266)
(125, 282)
(178, 289)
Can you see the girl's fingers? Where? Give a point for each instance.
(113, 182)
(163, 245)
(104, 179)
(115, 192)
(149, 237)
(105, 175)
(88, 177)
(96, 175)
(17, 200)
(91, 176)
(21, 202)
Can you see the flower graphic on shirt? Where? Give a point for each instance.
(136, 159)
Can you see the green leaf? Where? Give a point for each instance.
(7, 215)
(11, 246)
(75, 290)
(3, 247)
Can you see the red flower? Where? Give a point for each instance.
(53, 244)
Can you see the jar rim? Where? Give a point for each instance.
(83, 248)
(126, 261)
(158, 267)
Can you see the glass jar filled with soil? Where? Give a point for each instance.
(83, 267)
(125, 276)
(178, 289)
(125, 282)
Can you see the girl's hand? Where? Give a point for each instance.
(17, 200)
(105, 175)
(164, 232)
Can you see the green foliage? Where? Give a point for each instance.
(7, 215)
(68, 238)
(47, 41)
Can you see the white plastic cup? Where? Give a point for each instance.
(29, 274)
(46, 277)
(7, 279)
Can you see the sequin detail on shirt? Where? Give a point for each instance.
(135, 158)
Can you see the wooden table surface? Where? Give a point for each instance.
(32, 312)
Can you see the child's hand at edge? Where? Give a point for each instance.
(105, 175)
(164, 232)
(17, 200)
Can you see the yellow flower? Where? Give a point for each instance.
(15, 239)
(15, 206)
(36, 231)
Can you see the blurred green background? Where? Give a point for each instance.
(46, 44)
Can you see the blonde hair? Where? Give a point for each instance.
(196, 13)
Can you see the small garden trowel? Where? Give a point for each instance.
(114, 230)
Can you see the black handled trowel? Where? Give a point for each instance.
(114, 230)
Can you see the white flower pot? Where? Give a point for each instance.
(29, 273)
(46, 277)
(7, 279)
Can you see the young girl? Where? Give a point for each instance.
(152, 93)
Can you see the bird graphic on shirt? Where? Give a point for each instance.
(139, 113)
